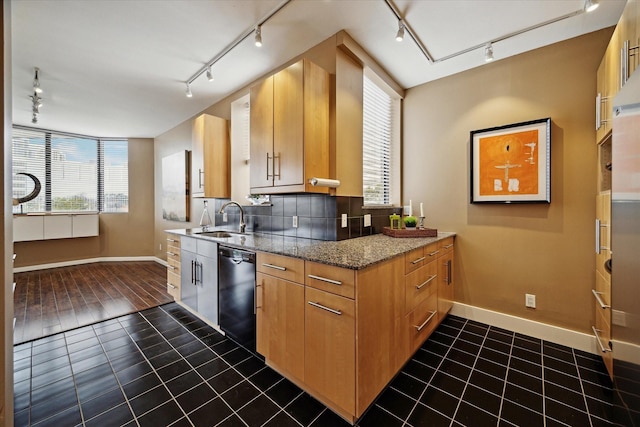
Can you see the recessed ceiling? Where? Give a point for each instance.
(118, 68)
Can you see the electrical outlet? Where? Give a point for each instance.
(225, 217)
(344, 220)
(295, 221)
(405, 210)
(530, 300)
(367, 220)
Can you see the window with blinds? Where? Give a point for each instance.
(378, 136)
(76, 173)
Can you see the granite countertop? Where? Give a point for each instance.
(355, 253)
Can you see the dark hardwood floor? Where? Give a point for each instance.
(59, 299)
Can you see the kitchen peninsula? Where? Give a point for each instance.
(341, 318)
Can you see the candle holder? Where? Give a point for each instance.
(421, 223)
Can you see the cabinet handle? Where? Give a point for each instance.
(602, 347)
(268, 158)
(448, 246)
(420, 286)
(171, 286)
(597, 295)
(275, 267)
(171, 240)
(274, 166)
(419, 328)
(172, 267)
(434, 252)
(324, 279)
(192, 271)
(200, 173)
(447, 279)
(599, 247)
(330, 310)
(172, 254)
(415, 261)
(624, 63)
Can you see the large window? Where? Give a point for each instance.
(380, 156)
(77, 173)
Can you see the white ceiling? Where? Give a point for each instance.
(117, 68)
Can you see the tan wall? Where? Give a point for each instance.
(505, 251)
(121, 235)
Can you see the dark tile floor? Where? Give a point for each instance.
(163, 366)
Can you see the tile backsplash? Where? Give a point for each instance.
(319, 216)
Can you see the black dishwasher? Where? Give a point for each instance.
(236, 295)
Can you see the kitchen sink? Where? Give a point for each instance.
(218, 234)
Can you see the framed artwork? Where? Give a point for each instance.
(175, 187)
(512, 163)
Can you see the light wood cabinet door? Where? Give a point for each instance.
(602, 121)
(261, 124)
(210, 157)
(330, 347)
(336, 280)
(288, 124)
(445, 285)
(280, 323)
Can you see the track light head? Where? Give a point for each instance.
(36, 81)
(258, 37)
(209, 74)
(400, 33)
(590, 5)
(488, 52)
(188, 92)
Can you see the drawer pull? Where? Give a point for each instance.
(415, 261)
(172, 254)
(171, 286)
(172, 240)
(448, 246)
(275, 267)
(330, 310)
(420, 286)
(603, 348)
(172, 267)
(324, 279)
(419, 328)
(597, 295)
(434, 253)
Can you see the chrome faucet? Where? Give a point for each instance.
(242, 224)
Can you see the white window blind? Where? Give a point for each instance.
(377, 140)
(77, 173)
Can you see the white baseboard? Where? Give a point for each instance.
(87, 261)
(554, 334)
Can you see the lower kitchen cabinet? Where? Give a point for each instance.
(445, 285)
(173, 266)
(199, 276)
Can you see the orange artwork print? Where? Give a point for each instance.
(509, 164)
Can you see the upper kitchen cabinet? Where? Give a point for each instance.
(290, 130)
(210, 157)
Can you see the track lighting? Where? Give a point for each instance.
(590, 5)
(488, 52)
(188, 92)
(258, 36)
(400, 33)
(209, 74)
(36, 81)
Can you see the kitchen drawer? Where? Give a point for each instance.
(173, 285)
(420, 285)
(603, 336)
(284, 267)
(189, 244)
(336, 280)
(173, 240)
(422, 321)
(603, 289)
(413, 260)
(445, 246)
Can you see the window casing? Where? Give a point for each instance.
(381, 143)
(77, 173)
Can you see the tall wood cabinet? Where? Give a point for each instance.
(290, 130)
(210, 157)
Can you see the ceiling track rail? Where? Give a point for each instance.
(237, 41)
(433, 60)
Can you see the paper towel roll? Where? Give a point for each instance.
(324, 182)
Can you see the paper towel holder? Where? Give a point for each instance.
(324, 182)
